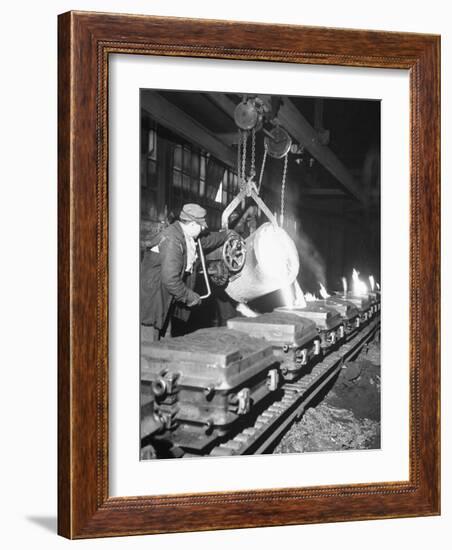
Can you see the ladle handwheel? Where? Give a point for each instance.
(234, 253)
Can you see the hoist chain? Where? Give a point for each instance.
(245, 138)
(253, 154)
(239, 155)
(261, 176)
(283, 191)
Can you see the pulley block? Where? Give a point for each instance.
(278, 142)
(246, 115)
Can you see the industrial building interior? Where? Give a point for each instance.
(189, 146)
(249, 370)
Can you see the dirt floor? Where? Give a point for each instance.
(348, 416)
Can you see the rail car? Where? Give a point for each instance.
(231, 390)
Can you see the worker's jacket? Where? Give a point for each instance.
(163, 276)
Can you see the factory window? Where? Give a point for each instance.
(202, 176)
(228, 187)
(149, 180)
(199, 177)
(219, 195)
(189, 173)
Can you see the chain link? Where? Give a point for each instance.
(261, 176)
(253, 154)
(241, 166)
(245, 138)
(283, 191)
(239, 152)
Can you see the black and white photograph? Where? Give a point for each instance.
(259, 274)
(226, 275)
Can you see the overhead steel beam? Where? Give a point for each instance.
(222, 101)
(176, 120)
(228, 138)
(300, 129)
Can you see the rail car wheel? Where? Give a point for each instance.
(160, 448)
(234, 253)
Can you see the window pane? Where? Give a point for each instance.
(187, 160)
(195, 165)
(153, 207)
(152, 144)
(152, 173)
(186, 183)
(194, 186)
(178, 157)
(219, 193)
(176, 178)
(203, 168)
(202, 188)
(177, 206)
(211, 192)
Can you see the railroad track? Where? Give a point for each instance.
(277, 418)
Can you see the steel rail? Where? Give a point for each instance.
(278, 417)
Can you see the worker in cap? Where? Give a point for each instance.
(194, 213)
(168, 273)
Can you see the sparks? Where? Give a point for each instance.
(323, 292)
(299, 296)
(245, 310)
(310, 297)
(278, 257)
(359, 287)
(344, 285)
(288, 296)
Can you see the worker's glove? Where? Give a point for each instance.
(194, 299)
(218, 272)
(232, 233)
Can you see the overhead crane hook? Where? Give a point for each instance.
(249, 189)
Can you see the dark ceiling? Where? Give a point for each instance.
(348, 128)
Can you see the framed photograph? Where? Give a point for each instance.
(248, 275)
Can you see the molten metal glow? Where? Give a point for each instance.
(378, 286)
(372, 282)
(359, 287)
(293, 296)
(310, 297)
(344, 285)
(299, 296)
(271, 264)
(287, 296)
(245, 310)
(278, 257)
(323, 292)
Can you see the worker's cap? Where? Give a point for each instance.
(193, 213)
